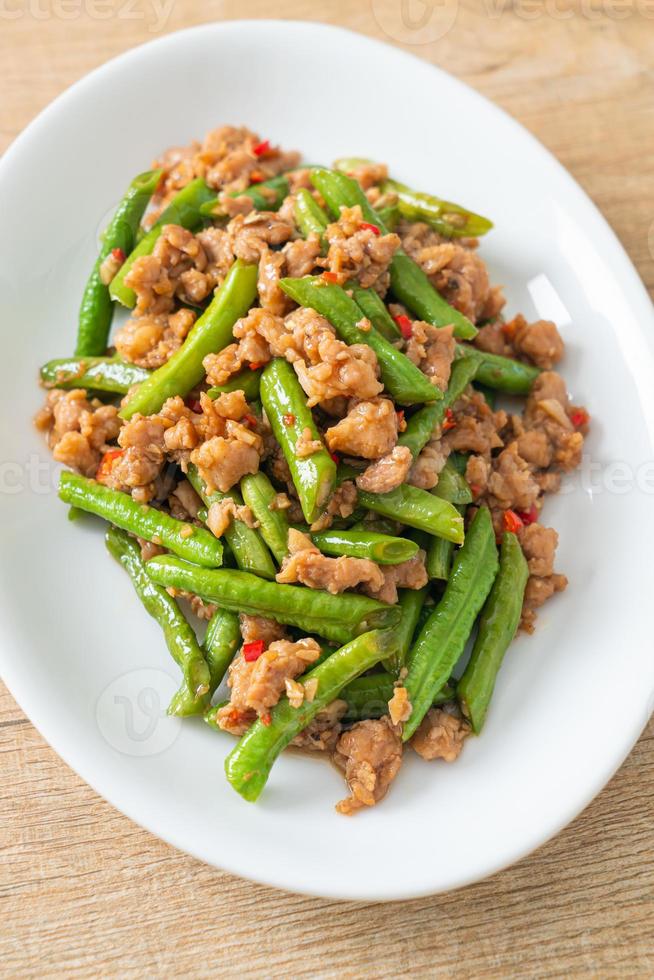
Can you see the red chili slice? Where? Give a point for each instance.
(528, 516)
(255, 365)
(288, 420)
(251, 420)
(335, 458)
(405, 325)
(579, 418)
(512, 522)
(330, 277)
(373, 228)
(449, 422)
(252, 651)
(106, 463)
(261, 148)
(118, 255)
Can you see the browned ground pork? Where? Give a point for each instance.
(358, 251)
(369, 430)
(409, 574)
(306, 564)
(78, 431)
(432, 349)
(441, 735)
(150, 340)
(321, 735)
(388, 472)
(538, 343)
(370, 754)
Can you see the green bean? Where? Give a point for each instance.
(208, 335)
(249, 763)
(184, 210)
(501, 373)
(411, 602)
(442, 639)
(417, 508)
(389, 216)
(448, 219)
(380, 525)
(439, 556)
(336, 617)
(193, 696)
(368, 697)
(309, 216)
(185, 540)
(249, 550)
(402, 379)
(374, 309)
(94, 373)
(286, 408)
(259, 494)
(246, 381)
(277, 186)
(96, 310)
(490, 396)
(420, 427)
(452, 486)
(380, 548)
(409, 283)
(497, 627)
(221, 641)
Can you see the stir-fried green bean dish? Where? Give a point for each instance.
(298, 405)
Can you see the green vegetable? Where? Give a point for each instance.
(184, 210)
(259, 494)
(442, 639)
(209, 334)
(415, 507)
(193, 696)
(245, 542)
(421, 425)
(402, 379)
(95, 373)
(368, 697)
(411, 602)
(286, 408)
(409, 283)
(246, 381)
(221, 642)
(256, 192)
(501, 373)
(309, 216)
(96, 311)
(452, 486)
(439, 556)
(380, 548)
(373, 307)
(335, 617)
(497, 627)
(193, 543)
(249, 763)
(448, 219)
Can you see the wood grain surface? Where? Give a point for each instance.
(84, 891)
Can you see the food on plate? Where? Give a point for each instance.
(297, 434)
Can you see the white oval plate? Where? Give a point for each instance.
(80, 655)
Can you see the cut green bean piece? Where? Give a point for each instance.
(246, 545)
(452, 486)
(93, 373)
(439, 556)
(501, 373)
(417, 508)
(194, 694)
(336, 617)
(209, 334)
(497, 627)
(249, 763)
(411, 602)
(373, 307)
(190, 542)
(309, 216)
(260, 496)
(423, 422)
(246, 381)
(448, 219)
(221, 642)
(380, 548)
(285, 403)
(442, 639)
(96, 310)
(409, 283)
(184, 210)
(402, 379)
(266, 196)
(368, 697)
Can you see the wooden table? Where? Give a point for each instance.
(85, 892)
